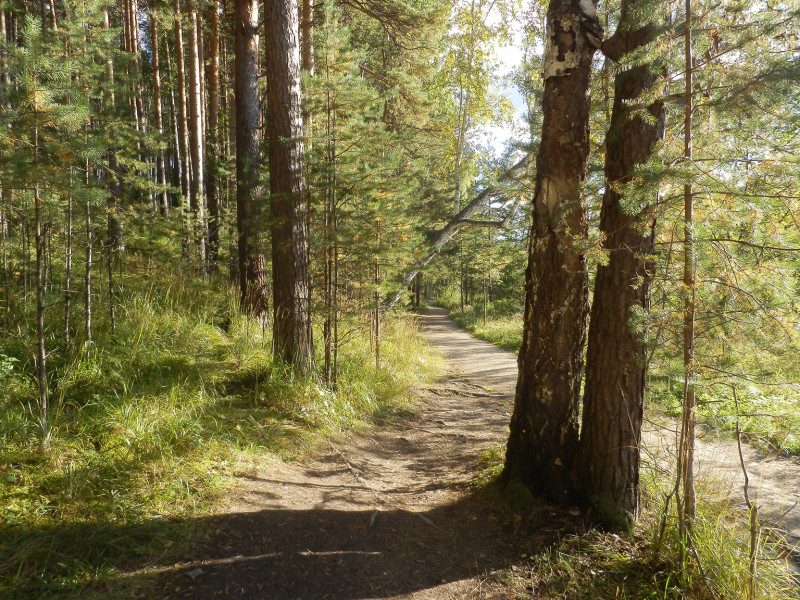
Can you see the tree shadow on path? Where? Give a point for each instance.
(346, 555)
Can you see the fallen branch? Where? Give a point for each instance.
(441, 391)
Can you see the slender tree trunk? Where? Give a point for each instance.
(114, 228)
(53, 18)
(176, 173)
(289, 227)
(616, 363)
(4, 76)
(378, 300)
(686, 500)
(68, 273)
(41, 351)
(214, 146)
(183, 127)
(196, 141)
(249, 210)
(4, 230)
(26, 256)
(329, 231)
(88, 267)
(158, 116)
(543, 440)
(461, 282)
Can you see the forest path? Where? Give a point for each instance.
(392, 513)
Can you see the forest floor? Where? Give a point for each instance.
(394, 511)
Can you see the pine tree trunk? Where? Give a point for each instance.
(249, 212)
(289, 228)
(53, 18)
(183, 128)
(114, 242)
(4, 230)
(41, 351)
(176, 146)
(88, 268)
(4, 76)
(687, 501)
(214, 146)
(196, 140)
(68, 273)
(543, 440)
(377, 283)
(616, 362)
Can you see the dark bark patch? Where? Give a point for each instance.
(564, 40)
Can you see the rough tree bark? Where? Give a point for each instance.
(543, 440)
(252, 276)
(616, 363)
(288, 200)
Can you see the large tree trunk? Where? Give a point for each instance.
(543, 440)
(252, 277)
(616, 362)
(288, 200)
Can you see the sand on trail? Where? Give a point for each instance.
(392, 512)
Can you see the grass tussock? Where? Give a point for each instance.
(149, 425)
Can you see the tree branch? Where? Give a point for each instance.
(444, 235)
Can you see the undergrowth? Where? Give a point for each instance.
(149, 425)
(643, 564)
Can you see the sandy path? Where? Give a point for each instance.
(774, 481)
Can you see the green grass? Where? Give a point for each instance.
(768, 417)
(148, 427)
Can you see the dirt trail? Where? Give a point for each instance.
(388, 513)
(391, 513)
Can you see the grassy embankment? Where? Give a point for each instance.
(769, 416)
